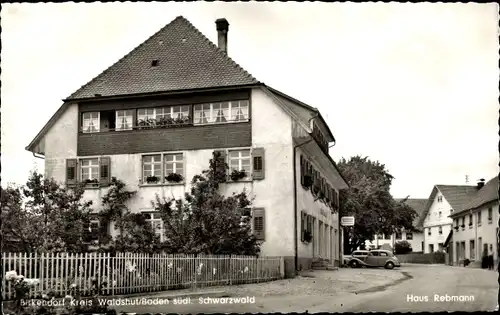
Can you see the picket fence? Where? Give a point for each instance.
(126, 273)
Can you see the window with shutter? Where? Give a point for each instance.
(259, 223)
(258, 163)
(71, 171)
(104, 176)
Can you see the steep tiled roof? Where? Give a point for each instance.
(186, 60)
(487, 193)
(457, 196)
(418, 205)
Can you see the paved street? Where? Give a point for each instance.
(358, 290)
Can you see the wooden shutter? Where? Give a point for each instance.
(221, 166)
(71, 172)
(258, 157)
(302, 225)
(259, 223)
(105, 171)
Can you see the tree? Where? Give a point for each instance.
(43, 216)
(402, 247)
(368, 199)
(205, 221)
(135, 233)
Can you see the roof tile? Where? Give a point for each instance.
(186, 60)
(487, 193)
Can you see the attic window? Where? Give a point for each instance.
(154, 63)
(97, 94)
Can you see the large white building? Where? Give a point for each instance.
(435, 220)
(166, 106)
(415, 238)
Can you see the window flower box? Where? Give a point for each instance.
(174, 178)
(237, 175)
(91, 182)
(152, 179)
(146, 123)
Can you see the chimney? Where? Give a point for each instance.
(480, 183)
(222, 29)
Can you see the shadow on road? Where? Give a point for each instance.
(379, 288)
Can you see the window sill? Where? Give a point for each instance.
(490, 222)
(163, 184)
(244, 180)
(470, 226)
(479, 224)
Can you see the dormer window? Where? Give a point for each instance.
(154, 63)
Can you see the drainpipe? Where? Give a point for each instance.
(339, 228)
(295, 205)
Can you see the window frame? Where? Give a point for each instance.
(409, 238)
(490, 215)
(162, 181)
(153, 220)
(249, 174)
(440, 230)
(89, 167)
(440, 198)
(227, 113)
(125, 111)
(83, 119)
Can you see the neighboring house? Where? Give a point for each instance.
(121, 124)
(475, 226)
(415, 238)
(435, 220)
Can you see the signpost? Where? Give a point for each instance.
(347, 221)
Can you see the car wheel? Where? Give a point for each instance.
(354, 264)
(389, 265)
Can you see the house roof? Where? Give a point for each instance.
(488, 193)
(455, 195)
(186, 60)
(193, 64)
(418, 205)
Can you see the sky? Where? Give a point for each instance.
(414, 86)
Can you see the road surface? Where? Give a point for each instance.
(430, 288)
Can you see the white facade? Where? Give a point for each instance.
(477, 235)
(274, 193)
(415, 239)
(437, 224)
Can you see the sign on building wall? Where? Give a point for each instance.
(347, 221)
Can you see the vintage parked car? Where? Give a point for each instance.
(375, 258)
(357, 254)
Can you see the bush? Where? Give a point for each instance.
(402, 247)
